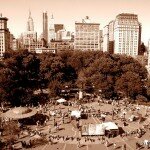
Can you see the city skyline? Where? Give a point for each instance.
(67, 12)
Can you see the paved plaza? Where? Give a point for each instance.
(66, 134)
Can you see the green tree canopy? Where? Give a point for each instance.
(19, 77)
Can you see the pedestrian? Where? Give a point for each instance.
(49, 130)
(50, 141)
(146, 143)
(78, 145)
(137, 145)
(124, 147)
(106, 143)
(114, 145)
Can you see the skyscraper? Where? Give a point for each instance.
(4, 36)
(105, 38)
(87, 35)
(58, 27)
(45, 26)
(127, 34)
(123, 35)
(148, 50)
(51, 29)
(30, 23)
(30, 36)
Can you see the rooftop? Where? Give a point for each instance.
(87, 21)
(127, 16)
(2, 18)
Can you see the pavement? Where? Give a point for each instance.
(69, 129)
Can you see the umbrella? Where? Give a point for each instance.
(61, 100)
(20, 113)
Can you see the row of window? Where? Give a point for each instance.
(86, 39)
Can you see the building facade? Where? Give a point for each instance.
(45, 26)
(4, 36)
(58, 27)
(148, 52)
(16, 44)
(51, 29)
(87, 35)
(30, 23)
(105, 38)
(62, 45)
(111, 37)
(127, 34)
(101, 39)
(58, 31)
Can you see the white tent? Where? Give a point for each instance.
(76, 113)
(61, 100)
(98, 129)
(110, 126)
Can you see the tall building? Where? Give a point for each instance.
(30, 23)
(148, 50)
(51, 29)
(127, 34)
(111, 37)
(101, 39)
(45, 26)
(4, 36)
(11, 38)
(16, 44)
(87, 35)
(105, 38)
(123, 35)
(30, 36)
(108, 37)
(58, 27)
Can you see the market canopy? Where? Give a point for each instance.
(20, 113)
(98, 129)
(61, 100)
(110, 126)
(93, 129)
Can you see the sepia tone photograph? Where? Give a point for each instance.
(74, 75)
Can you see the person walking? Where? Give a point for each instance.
(124, 147)
(78, 144)
(114, 146)
(106, 143)
(49, 130)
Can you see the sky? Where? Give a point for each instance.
(69, 11)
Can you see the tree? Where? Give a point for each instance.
(112, 75)
(147, 86)
(19, 77)
(56, 68)
(22, 72)
(130, 84)
(142, 49)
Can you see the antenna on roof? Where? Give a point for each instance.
(29, 13)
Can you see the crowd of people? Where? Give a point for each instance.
(61, 116)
